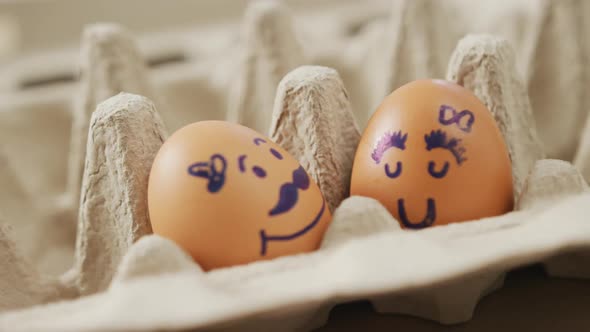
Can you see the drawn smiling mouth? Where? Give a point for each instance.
(288, 196)
(428, 219)
(264, 238)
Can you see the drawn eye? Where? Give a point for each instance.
(438, 174)
(396, 173)
(259, 171)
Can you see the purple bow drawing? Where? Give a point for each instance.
(448, 115)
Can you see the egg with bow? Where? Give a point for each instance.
(228, 195)
(432, 154)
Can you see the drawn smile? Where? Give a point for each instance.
(428, 219)
(264, 238)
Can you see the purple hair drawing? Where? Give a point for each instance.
(439, 139)
(387, 141)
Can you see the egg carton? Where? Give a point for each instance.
(122, 277)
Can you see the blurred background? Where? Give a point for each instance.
(192, 52)
(30, 26)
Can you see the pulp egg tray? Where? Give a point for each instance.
(85, 260)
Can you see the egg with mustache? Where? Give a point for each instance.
(228, 195)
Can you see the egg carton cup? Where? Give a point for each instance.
(119, 276)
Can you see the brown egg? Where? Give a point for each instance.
(229, 195)
(432, 154)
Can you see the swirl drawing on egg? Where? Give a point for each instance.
(214, 171)
(436, 139)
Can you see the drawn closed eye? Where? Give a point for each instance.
(396, 173)
(438, 174)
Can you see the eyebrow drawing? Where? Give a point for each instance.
(274, 152)
(259, 140)
(439, 139)
(387, 141)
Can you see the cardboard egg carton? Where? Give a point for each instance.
(121, 277)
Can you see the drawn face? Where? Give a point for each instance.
(242, 197)
(432, 154)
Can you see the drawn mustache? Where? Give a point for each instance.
(289, 192)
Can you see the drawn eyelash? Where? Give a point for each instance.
(439, 139)
(389, 140)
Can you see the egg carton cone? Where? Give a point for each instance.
(76, 245)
